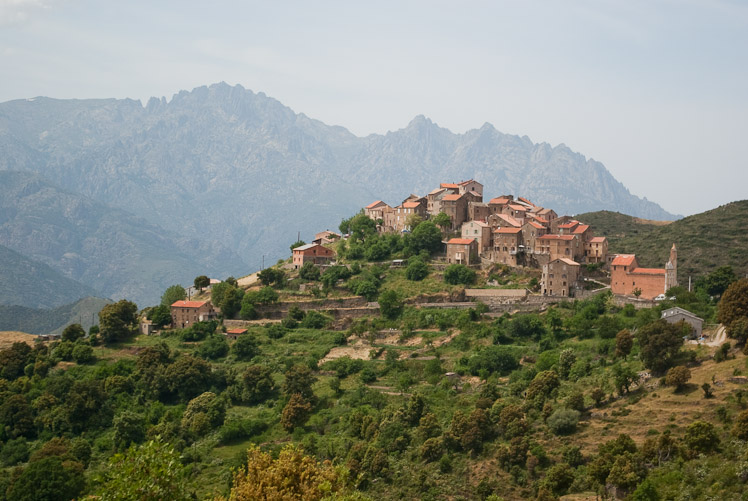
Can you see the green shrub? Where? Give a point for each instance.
(563, 421)
(456, 274)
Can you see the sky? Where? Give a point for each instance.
(655, 90)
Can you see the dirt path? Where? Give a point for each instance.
(719, 338)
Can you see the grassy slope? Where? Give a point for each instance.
(705, 241)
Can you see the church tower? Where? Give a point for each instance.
(671, 269)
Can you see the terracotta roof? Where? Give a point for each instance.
(648, 271)
(526, 201)
(557, 237)
(570, 224)
(411, 205)
(305, 247)
(510, 220)
(451, 198)
(188, 304)
(461, 241)
(507, 230)
(545, 211)
(374, 204)
(597, 240)
(500, 200)
(475, 194)
(434, 192)
(535, 225)
(623, 260)
(517, 207)
(581, 228)
(448, 185)
(463, 183)
(567, 261)
(236, 331)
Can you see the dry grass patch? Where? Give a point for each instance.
(7, 338)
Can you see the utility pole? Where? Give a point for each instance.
(263, 262)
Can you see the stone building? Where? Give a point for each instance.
(560, 278)
(186, 313)
(462, 251)
(627, 277)
(312, 253)
(675, 315)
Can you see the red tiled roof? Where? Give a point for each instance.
(188, 304)
(517, 207)
(451, 198)
(581, 228)
(535, 225)
(509, 220)
(460, 241)
(507, 230)
(597, 240)
(411, 205)
(526, 201)
(499, 201)
(623, 260)
(568, 261)
(463, 183)
(556, 237)
(648, 271)
(448, 185)
(236, 331)
(374, 204)
(570, 224)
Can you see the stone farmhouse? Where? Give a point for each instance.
(186, 313)
(312, 253)
(516, 232)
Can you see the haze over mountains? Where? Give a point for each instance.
(130, 199)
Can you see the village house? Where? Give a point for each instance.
(496, 205)
(627, 277)
(516, 211)
(675, 314)
(462, 251)
(480, 231)
(507, 243)
(557, 222)
(502, 220)
(376, 210)
(560, 278)
(471, 186)
(235, 333)
(325, 237)
(531, 230)
(312, 253)
(399, 218)
(478, 211)
(455, 206)
(186, 313)
(434, 201)
(596, 250)
(557, 246)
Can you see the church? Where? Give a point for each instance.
(626, 277)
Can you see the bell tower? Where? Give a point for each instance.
(671, 269)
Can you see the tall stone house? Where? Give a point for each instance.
(560, 278)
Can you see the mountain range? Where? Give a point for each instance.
(128, 198)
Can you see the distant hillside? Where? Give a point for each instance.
(704, 241)
(30, 283)
(226, 165)
(111, 250)
(51, 321)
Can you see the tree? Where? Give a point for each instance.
(272, 276)
(309, 272)
(417, 269)
(73, 332)
(201, 282)
(258, 384)
(624, 343)
(541, 387)
(14, 359)
(624, 376)
(227, 297)
(297, 243)
(678, 377)
(204, 412)
(701, 437)
(660, 343)
(426, 236)
(49, 479)
(148, 472)
(214, 347)
(296, 412)
(563, 421)
(717, 282)
(188, 376)
(82, 353)
(442, 220)
(299, 379)
(733, 304)
(173, 294)
(118, 321)
(245, 347)
(390, 304)
(129, 428)
(637, 292)
(292, 476)
(160, 315)
(740, 429)
(459, 274)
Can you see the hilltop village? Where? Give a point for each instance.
(513, 232)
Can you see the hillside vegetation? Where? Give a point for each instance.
(705, 241)
(403, 400)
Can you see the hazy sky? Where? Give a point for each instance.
(656, 90)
